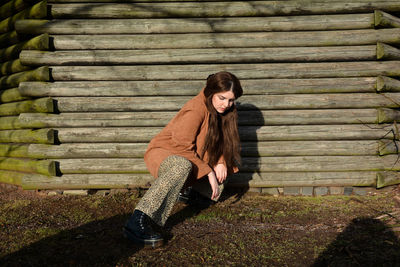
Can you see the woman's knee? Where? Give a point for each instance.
(177, 164)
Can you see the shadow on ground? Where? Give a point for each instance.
(364, 242)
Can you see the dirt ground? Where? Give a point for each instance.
(242, 230)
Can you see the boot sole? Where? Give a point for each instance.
(153, 243)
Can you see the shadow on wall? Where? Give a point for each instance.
(364, 242)
(250, 120)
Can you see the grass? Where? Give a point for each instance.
(256, 230)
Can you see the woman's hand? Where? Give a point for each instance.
(212, 179)
(221, 172)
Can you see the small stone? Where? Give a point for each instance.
(280, 190)
(321, 191)
(291, 191)
(273, 191)
(52, 193)
(360, 191)
(307, 190)
(102, 193)
(254, 190)
(76, 192)
(336, 190)
(348, 191)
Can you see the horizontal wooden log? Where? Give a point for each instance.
(387, 84)
(13, 66)
(220, 40)
(45, 167)
(282, 179)
(197, 25)
(214, 9)
(11, 7)
(11, 123)
(320, 163)
(386, 115)
(213, 55)
(249, 149)
(11, 177)
(14, 150)
(383, 19)
(87, 150)
(37, 105)
(38, 11)
(11, 95)
(387, 178)
(40, 42)
(246, 102)
(40, 136)
(254, 164)
(256, 39)
(387, 147)
(86, 181)
(387, 52)
(189, 72)
(191, 88)
(9, 38)
(252, 117)
(13, 80)
(247, 133)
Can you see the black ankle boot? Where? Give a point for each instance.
(139, 230)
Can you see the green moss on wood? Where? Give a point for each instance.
(13, 66)
(11, 95)
(40, 136)
(38, 11)
(14, 150)
(27, 106)
(30, 26)
(40, 42)
(11, 177)
(9, 38)
(39, 74)
(45, 167)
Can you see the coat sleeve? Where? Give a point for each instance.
(184, 133)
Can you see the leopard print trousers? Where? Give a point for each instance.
(161, 197)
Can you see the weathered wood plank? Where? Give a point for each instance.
(38, 11)
(252, 117)
(9, 38)
(212, 55)
(387, 52)
(40, 42)
(40, 136)
(72, 41)
(387, 178)
(12, 66)
(189, 72)
(214, 9)
(267, 179)
(14, 150)
(383, 19)
(249, 149)
(387, 84)
(254, 164)
(191, 88)
(13, 80)
(45, 167)
(247, 133)
(14, 6)
(197, 25)
(281, 179)
(36, 105)
(11, 95)
(86, 181)
(246, 102)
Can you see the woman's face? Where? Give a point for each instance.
(223, 101)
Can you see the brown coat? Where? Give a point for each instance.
(184, 136)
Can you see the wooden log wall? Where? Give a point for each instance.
(96, 80)
(15, 163)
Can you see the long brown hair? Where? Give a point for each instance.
(222, 136)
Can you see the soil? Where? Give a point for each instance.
(243, 229)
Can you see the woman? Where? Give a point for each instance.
(201, 141)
